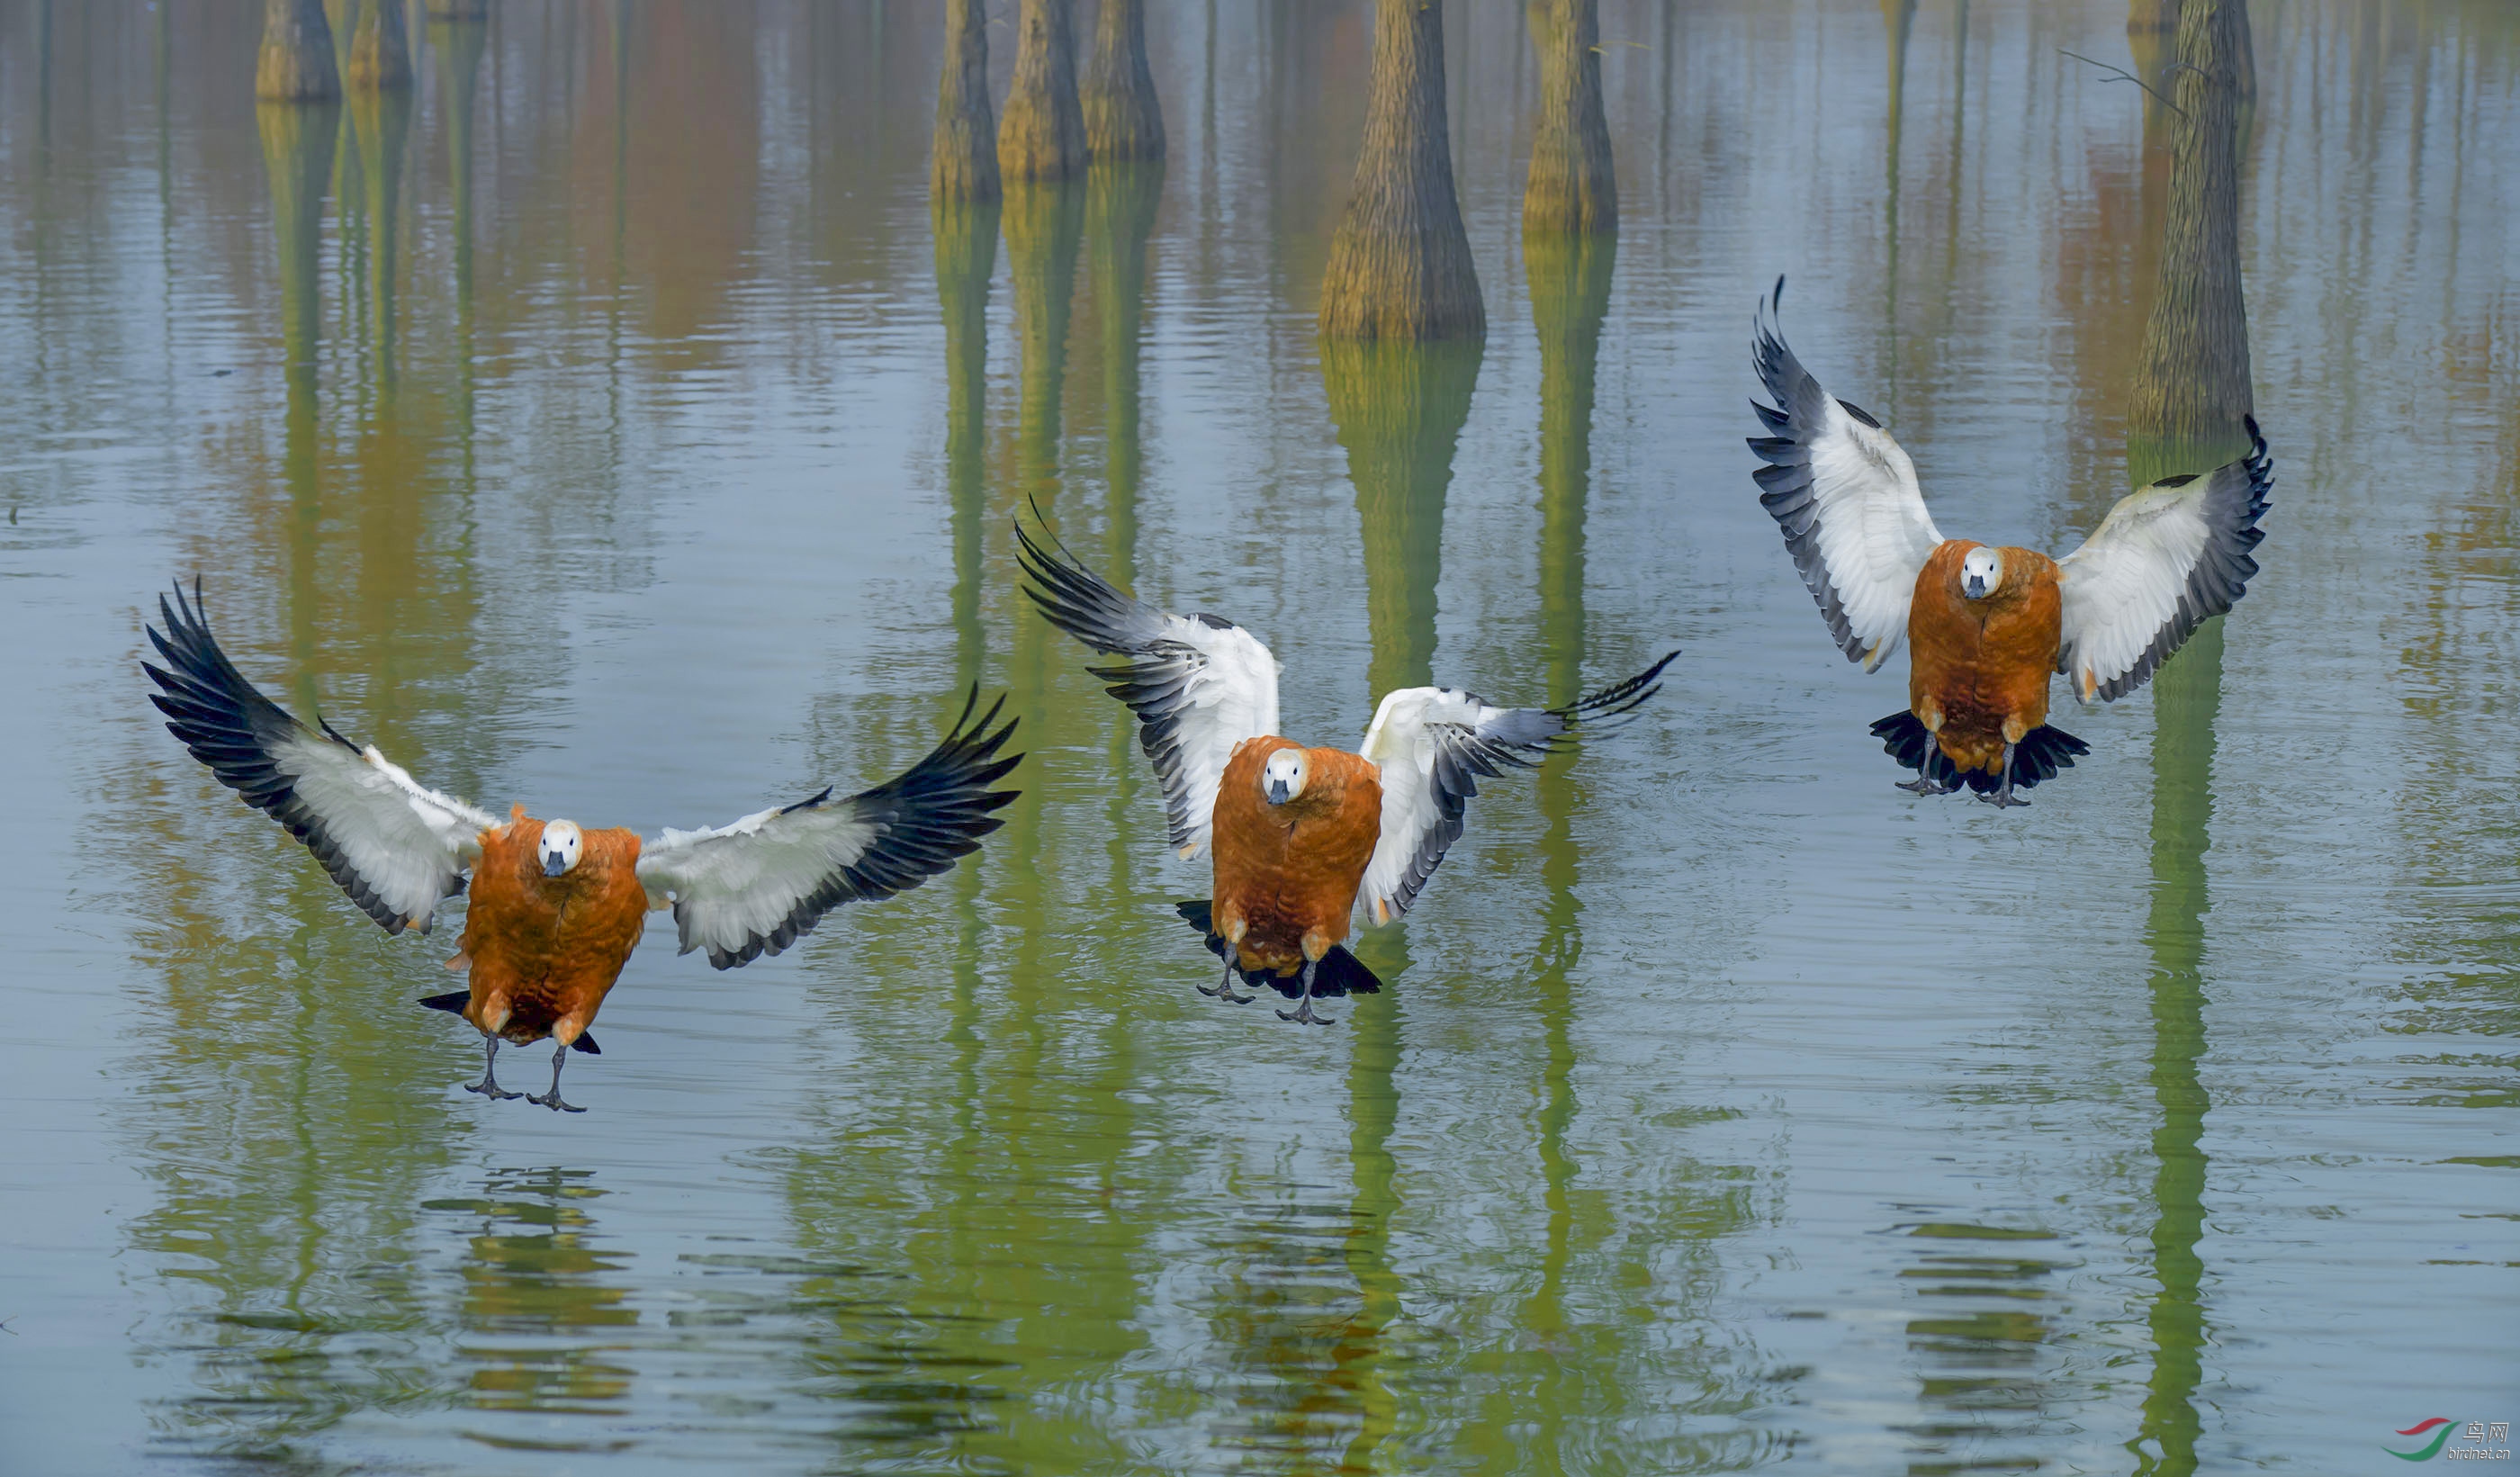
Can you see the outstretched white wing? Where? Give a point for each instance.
(394, 845)
(1433, 744)
(2167, 557)
(755, 886)
(1199, 684)
(1846, 496)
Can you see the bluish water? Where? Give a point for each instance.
(604, 426)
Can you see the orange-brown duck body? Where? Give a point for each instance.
(545, 950)
(1978, 669)
(1288, 873)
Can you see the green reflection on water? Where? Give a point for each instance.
(537, 1285)
(1399, 409)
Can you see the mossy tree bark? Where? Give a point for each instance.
(1042, 136)
(1572, 187)
(1399, 408)
(379, 48)
(2191, 382)
(2150, 27)
(962, 162)
(1400, 266)
(295, 62)
(1123, 122)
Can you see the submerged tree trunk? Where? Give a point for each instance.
(1400, 266)
(962, 162)
(1570, 296)
(1399, 408)
(296, 64)
(380, 48)
(1119, 215)
(1122, 119)
(380, 120)
(1042, 136)
(1571, 186)
(2191, 384)
(459, 45)
(966, 257)
(1045, 226)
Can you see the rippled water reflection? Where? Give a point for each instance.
(609, 425)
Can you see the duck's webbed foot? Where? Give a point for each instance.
(1223, 989)
(488, 1087)
(551, 1099)
(2004, 796)
(1303, 1010)
(1925, 784)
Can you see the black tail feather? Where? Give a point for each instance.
(2044, 753)
(1340, 974)
(453, 1002)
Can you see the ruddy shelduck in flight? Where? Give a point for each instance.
(556, 907)
(1301, 837)
(1986, 626)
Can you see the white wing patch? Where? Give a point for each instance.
(1846, 496)
(406, 841)
(2167, 558)
(1433, 744)
(735, 887)
(395, 846)
(1200, 685)
(755, 886)
(1429, 744)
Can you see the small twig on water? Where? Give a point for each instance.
(2125, 75)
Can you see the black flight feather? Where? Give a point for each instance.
(1339, 973)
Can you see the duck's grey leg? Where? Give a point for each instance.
(551, 1099)
(1223, 988)
(1303, 1010)
(2004, 796)
(488, 1087)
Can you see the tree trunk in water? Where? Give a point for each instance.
(1119, 215)
(1399, 408)
(298, 145)
(1400, 266)
(295, 62)
(966, 257)
(1570, 296)
(381, 119)
(962, 162)
(459, 45)
(1122, 118)
(1042, 134)
(1572, 187)
(380, 48)
(1045, 227)
(2191, 384)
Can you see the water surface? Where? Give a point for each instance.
(609, 425)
